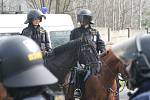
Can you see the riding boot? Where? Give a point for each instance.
(77, 92)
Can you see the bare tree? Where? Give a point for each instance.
(131, 17)
(3, 5)
(57, 6)
(119, 13)
(140, 14)
(104, 13)
(113, 14)
(49, 3)
(116, 14)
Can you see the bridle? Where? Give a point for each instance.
(115, 75)
(106, 86)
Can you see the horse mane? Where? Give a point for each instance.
(71, 45)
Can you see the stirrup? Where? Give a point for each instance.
(77, 93)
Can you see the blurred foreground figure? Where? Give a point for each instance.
(136, 54)
(22, 71)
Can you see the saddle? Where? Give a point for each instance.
(79, 75)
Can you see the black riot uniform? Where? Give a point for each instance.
(22, 71)
(85, 16)
(92, 33)
(136, 54)
(37, 33)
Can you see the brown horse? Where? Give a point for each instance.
(103, 85)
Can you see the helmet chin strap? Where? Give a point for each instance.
(140, 52)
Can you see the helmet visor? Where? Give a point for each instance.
(37, 75)
(40, 17)
(126, 51)
(84, 18)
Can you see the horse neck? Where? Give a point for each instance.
(109, 68)
(61, 64)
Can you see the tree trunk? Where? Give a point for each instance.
(113, 15)
(57, 6)
(123, 14)
(2, 5)
(131, 17)
(43, 3)
(140, 14)
(119, 11)
(104, 14)
(50, 4)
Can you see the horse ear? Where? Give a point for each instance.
(104, 53)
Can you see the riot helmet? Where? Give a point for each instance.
(135, 53)
(84, 16)
(33, 15)
(21, 63)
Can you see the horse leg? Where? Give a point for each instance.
(93, 90)
(68, 91)
(68, 88)
(112, 95)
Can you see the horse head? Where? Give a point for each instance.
(105, 83)
(112, 63)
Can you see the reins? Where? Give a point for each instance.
(106, 86)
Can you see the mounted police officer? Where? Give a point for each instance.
(84, 17)
(22, 71)
(35, 31)
(136, 54)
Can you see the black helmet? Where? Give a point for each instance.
(34, 14)
(135, 53)
(84, 15)
(21, 63)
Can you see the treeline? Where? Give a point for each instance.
(115, 14)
